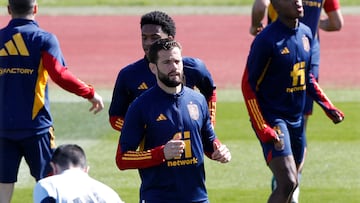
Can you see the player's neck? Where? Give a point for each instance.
(170, 90)
(290, 23)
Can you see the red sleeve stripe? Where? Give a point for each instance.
(322, 96)
(256, 114)
(135, 156)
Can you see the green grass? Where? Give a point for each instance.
(156, 3)
(331, 171)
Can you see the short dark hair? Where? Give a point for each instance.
(159, 18)
(69, 155)
(161, 44)
(21, 7)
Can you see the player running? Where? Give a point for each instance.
(312, 18)
(278, 76)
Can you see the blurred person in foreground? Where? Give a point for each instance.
(71, 181)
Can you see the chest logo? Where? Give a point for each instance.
(306, 43)
(193, 111)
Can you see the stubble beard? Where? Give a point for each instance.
(167, 81)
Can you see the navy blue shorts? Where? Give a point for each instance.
(293, 136)
(36, 150)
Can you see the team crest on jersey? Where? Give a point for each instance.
(306, 43)
(193, 111)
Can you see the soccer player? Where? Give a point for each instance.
(277, 77)
(28, 57)
(135, 78)
(71, 182)
(171, 123)
(333, 21)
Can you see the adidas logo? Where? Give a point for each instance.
(161, 117)
(15, 47)
(285, 51)
(143, 86)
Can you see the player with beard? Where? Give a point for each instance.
(171, 124)
(136, 77)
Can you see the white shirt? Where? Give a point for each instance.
(74, 185)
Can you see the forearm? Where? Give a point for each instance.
(257, 15)
(262, 129)
(139, 159)
(116, 122)
(212, 108)
(334, 21)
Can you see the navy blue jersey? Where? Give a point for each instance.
(28, 57)
(135, 78)
(311, 18)
(278, 75)
(152, 120)
(276, 68)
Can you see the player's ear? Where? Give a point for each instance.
(54, 168)
(87, 169)
(153, 68)
(35, 9)
(9, 10)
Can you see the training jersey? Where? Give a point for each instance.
(28, 56)
(278, 75)
(73, 185)
(152, 120)
(312, 12)
(137, 77)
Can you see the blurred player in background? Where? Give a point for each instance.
(171, 123)
(71, 182)
(135, 78)
(279, 74)
(333, 21)
(28, 57)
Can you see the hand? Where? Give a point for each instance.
(267, 135)
(279, 139)
(174, 148)
(97, 103)
(279, 143)
(335, 115)
(254, 30)
(221, 153)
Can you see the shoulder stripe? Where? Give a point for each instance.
(15, 47)
(20, 44)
